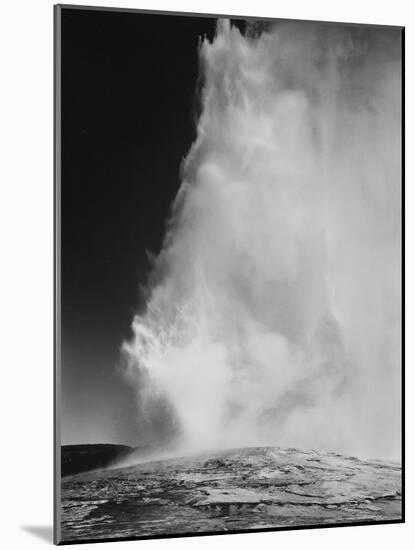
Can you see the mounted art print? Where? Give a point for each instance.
(228, 289)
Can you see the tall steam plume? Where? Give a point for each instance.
(274, 305)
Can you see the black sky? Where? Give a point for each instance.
(128, 118)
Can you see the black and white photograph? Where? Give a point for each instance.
(228, 274)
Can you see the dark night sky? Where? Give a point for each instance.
(128, 118)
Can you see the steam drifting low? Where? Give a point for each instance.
(274, 306)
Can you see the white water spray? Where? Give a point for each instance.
(274, 312)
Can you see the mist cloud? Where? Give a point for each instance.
(274, 306)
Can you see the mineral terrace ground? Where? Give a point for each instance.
(249, 488)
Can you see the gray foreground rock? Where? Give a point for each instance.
(238, 489)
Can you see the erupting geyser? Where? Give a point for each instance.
(274, 309)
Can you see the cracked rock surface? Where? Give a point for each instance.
(250, 488)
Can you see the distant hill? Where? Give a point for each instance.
(82, 458)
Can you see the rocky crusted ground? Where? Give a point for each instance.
(249, 488)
